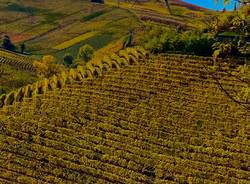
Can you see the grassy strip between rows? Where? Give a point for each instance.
(75, 40)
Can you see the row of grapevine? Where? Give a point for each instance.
(124, 57)
(159, 121)
(18, 61)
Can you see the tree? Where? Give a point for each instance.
(7, 44)
(224, 1)
(239, 23)
(168, 6)
(235, 6)
(241, 2)
(128, 40)
(68, 59)
(47, 67)
(86, 53)
(22, 46)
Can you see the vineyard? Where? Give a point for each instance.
(15, 71)
(186, 15)
(131, 118)
(17, 61)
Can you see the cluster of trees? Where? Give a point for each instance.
(8, 45)
(160, 39)
(47, 66)
(204, 42)
(85, 54)
(237, 23)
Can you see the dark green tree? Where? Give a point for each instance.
(128, 42)
(22, 46)
(7, 44)
(68, 60)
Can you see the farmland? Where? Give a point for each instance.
(11, 78)
(127, 115)
(150, 122)
(15, 71)
(45, 25)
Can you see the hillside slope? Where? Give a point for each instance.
(48, 26)
(164, 120)
(18, 61)
(183, 14)
(16, 70)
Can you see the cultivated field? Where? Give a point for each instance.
(127, 116)
(130, 119)
(185, 15)
(15, 71)
(56, 27)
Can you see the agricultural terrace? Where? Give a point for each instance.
(15, 71)
(185, 14)
(58, 27)
(12, 78)
(131, 118)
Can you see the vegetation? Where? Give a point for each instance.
(68, 59)
(59, 27)
(75, 41)
(47, 67)
(7, 44)
(86, 53)
(161, 39)
(12, 78)
(91, 105)
(16, 60)
(93, 15)
(121, 128)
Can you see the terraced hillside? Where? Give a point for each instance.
(16, 70)
(16, 60)
(185, 14)
(161, 120)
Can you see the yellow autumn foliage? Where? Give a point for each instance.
(46, 67)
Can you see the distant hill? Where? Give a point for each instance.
(188, 5)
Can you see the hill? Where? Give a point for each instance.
(185, 14)
(49, 27)
(153, 119)
(16, 70)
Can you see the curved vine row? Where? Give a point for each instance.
(124, 57)
(16, 60)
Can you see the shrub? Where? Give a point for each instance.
(199, 44)
(7, 44)
(86, 53)
(46, 67)
(224, 49)
(158, 39)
